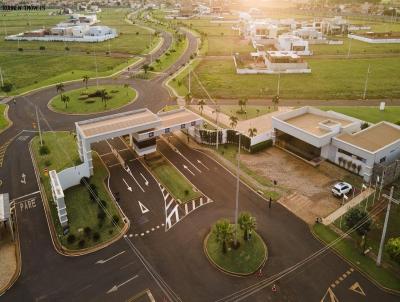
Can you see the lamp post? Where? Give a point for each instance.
(237, 191)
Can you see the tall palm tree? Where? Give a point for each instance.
(234, 121)
(85, 80)
(60, 88)
(65, 99)
(247, 223)
(252, 132)
(275, 101)
(104, 97)
(223, 232)
(201, 103)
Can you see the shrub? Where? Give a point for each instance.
(115, 219)
(20, 49)
(82, 243)
(393, 249)
(47, 163)
(186, 192)
(96, 236)
(87, 231)
(42, 48)
(102, 203)
(71, 238)
(44, 150)
(101, 216)
(67, 48)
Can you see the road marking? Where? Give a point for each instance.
(84, 288)
(130, 173)
(23, 178)
(33, 193)
(143, 208)
(27, 204)
(332, 297)
(171, 202)
(127, 186)
(115, 287)
(112, 257)
(146, 182)
(186, 168)
(125, 266)
(357, 288)
(200, 162)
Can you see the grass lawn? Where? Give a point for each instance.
(177, 82)
(82, 212)
(351, 253)
(330, 79)
(245, 260)
(81, 102)
(170, 108)
(370, 114)
(3, 121)
(171, 56)
(250, 111)
(176, 184)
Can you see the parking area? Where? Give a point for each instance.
(309, 188)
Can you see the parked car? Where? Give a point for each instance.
(341, 188)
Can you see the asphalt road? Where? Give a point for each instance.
(165, 263)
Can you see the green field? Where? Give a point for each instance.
(82, 212)
(330, 79)
(365, 264)
(3, 120)
(244, 260)
(171, 56)
(81, 102)
(176, 184)
(33, 68)
(370, 114)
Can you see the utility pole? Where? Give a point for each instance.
(95, 63)
(366, 82)
(279, 84)
(38, 124)
(237, 191)
(190, 81)
(391, 199)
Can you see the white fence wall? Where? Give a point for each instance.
(261, 138)
(373, 41)
(72, 176)
(89, 39)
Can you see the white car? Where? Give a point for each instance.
(341, 188)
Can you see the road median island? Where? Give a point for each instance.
(246, 260)
(344, 248)
(93, 99)
(171, 178)
(91, 227)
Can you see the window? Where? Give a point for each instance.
(183, 126)
(151, 134)
(382, 160)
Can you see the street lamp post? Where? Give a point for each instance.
(237, 192)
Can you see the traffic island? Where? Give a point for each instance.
(248, 258)
(93, 223)
(95, 99)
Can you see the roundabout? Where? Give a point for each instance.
(248, 258)
(93, 99)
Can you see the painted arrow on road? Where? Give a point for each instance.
(127, 186)
(112, 257)
(143, 208)
(200, 162)
(186, 167)
(116, 287)
(23, 178)
(146, 182)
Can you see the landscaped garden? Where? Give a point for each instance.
(89, 223)
(238, 251)
(244, 111)
(176, 184)
(92, 99)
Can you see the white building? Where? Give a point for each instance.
(285, 62)
(293, 44)
(314, 135)
(308, 33)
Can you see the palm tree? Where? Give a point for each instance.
(247, 223)
(201, 103)
(104, 97)
(60, 88)
(252, 132)
(65, 99)
(234, 121)
(223, 232)
(85, 80)
(275, 101)
(188, 98)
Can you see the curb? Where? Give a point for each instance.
(230, 273)
(18, 270)
(355, 266)
(93, 113)
(54, 237)
(10, 122)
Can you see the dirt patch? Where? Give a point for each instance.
(310, 187)
(8, 260)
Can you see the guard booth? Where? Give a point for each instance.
(6, 220)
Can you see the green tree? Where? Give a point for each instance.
(393, 249)
(201, 104)
(85, 80)
(247, 223)
(65, 99)
(275, 101)
(233, 121)
(359, 218)
(60, 88)
(7, 87)
(146, 68)
(252, 132)
(223, 232)
(104, 97)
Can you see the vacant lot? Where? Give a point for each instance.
(330, 79)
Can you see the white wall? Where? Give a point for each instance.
(72, 176)
(373, 41)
